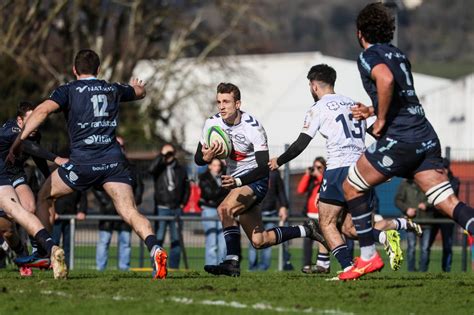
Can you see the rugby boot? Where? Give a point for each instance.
(313, 231)
(229, 268)
(362, 267)
(160, 258)
(393, 249)
(58, 263)
(33, 261)
(414, 227)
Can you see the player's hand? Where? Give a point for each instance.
(81, 216)
(411, 213)
(422, 206)
(60, 160)
(228, 182)
(378, 126)
(361, 111)
(283, 215)
(137, 82)
(208, 153)
(272, 164)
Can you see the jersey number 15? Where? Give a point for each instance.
(356, 126)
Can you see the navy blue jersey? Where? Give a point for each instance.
(91, 110)
(406, 119)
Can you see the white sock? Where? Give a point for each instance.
(302, 231)
(403, 224)
(367, 252)
(382, 237)
(232, 257)
(324, 264)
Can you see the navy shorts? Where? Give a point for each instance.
(18, 179)
(260, 188)
(81, 177)
(331, 191)
(393, 158)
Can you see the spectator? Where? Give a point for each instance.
(171, 194)
(275, 204)
(413, 203)
(74, 203)
(309, 185)
(212, 195)
(447, 229)
(106, 227)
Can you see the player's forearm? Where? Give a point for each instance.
(34, 149)
(37, 117)
(199, 157)
(385, 83)
(295, 149)
(260, 172)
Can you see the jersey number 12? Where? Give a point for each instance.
(100, 105)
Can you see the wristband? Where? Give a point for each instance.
(238, 182)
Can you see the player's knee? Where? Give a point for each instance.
(224, 211)
(437, 195)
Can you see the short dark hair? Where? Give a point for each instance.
(376, 23)
(322, 73)
(23, 108)
(87, 62)
(229, 88)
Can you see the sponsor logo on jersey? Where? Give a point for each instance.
(324, 185)
(97, 139)
(425, 146)
(98, 88)
(416, 110)
(333, 105)
(81, 89)
(98, 124)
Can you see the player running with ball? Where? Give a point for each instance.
(248, 181)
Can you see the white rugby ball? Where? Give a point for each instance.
(215, 133)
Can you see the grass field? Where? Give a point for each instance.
(90, 292)
(271, 292)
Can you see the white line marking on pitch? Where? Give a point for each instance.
(257, 306)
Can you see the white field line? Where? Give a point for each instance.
(257, 306)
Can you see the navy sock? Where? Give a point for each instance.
(45, 241)
(151, 241)
(362, 219)
(343, 256)
(464, 216)
(285, 233)
(33, 243)
(232, 241)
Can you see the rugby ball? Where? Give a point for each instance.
(215, 133)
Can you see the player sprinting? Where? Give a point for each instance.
(407, 144)
(248, 181)
(16, 172)
(345, 143)
(91, 110)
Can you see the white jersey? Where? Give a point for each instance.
(345, 136)
(247, 137)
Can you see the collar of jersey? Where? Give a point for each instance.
(89, 78)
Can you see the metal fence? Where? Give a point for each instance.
(84, 237)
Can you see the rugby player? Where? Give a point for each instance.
(91, 108)
(16, 172)
(248, 181)
(407, 145)
(331, 116)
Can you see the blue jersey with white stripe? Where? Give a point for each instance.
(91, 110)
(406, 119)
